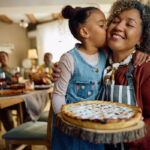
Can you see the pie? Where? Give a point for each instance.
(96, 114)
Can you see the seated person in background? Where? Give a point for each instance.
(47, 66)
(5, 114)
(43, 74)
(5, 68)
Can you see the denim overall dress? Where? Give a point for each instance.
(83, 85)
(121, 94)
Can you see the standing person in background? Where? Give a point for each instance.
(88, 25)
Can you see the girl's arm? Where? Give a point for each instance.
(66, 65)
(140, 58)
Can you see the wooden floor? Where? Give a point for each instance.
(2, 142)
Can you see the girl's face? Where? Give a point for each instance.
(96, 28)
(124, 32)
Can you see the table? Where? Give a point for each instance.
(18, 99)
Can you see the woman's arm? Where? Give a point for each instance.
(60, 88)
(56, 72)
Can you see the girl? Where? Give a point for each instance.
(88, 26)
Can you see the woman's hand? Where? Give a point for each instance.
(141, 58)
(56, 72)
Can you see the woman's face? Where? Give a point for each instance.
(124, 32)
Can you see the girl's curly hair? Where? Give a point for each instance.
(144, 10)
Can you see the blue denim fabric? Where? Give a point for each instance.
(83, 85)
(86, 79)
(61, 141)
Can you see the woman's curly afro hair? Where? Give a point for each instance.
(144, 10)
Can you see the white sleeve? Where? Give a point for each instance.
(66, 64)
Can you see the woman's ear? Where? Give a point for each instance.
(139, 42)
(83, 32)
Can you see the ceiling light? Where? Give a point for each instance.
(23, 23)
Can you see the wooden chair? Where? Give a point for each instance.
(44, 116)
(31, 133)
(18, 113)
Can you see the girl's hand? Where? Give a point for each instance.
(142, 118)
(56, 72)
(141, 58)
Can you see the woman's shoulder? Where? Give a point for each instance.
(144, 66)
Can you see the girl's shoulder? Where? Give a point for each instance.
(67, 60)
(66, 57)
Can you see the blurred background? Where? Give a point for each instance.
(29, 28)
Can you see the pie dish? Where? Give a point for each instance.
(96, 114)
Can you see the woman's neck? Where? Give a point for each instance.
(87, 49)
(120, 56)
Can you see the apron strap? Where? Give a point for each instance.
(129, 74)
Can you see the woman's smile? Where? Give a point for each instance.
(117, 36)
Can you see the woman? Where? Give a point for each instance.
(128, 31)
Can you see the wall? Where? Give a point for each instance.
(12, 33)
(10, 3)
(54, 37)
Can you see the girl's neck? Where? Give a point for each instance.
(121, 55)
(87, 49)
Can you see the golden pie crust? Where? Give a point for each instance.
(96, 114)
